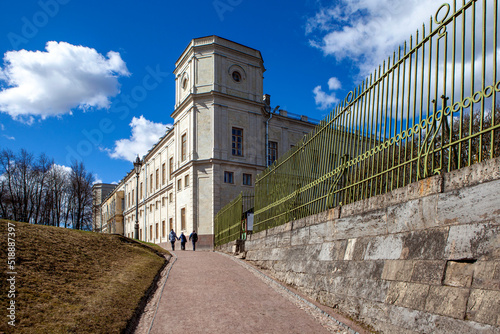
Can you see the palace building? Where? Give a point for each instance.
(214, 150)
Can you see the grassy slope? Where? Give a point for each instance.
(75, 281)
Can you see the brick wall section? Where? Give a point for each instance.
(422, 259)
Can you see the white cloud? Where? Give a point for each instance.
(62, 168)
(2, 127)
(334, 83)
(323, 99)
(9, 137)
(144, 135)
(367, 31)
(97, 179)
(52, 82)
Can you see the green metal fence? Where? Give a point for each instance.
(430, 107)
(229, 221)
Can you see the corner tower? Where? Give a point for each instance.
(219, 128)
(216, 65)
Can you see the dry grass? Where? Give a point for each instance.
(76, 282)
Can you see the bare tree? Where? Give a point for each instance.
(81, 196)
(39, 192)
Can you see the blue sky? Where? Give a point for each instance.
(84, 79)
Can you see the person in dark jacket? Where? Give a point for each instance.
(183, 240)
(194, 238)
(172, 237)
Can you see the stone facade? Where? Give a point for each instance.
(100, 191)
(421, 259)
(112, 213)
(216, 147)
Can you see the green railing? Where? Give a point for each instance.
(429, 108)
(229, 221)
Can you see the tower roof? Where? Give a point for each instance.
(216, 40)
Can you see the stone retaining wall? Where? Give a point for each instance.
(422, 259)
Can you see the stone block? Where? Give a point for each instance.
(338, 285)
(284, 239)
(298, 266)
(298, 224)
(388, 247)
(447, 301)
(300, 236)
(476, 204)
(410, 295)
(426, 244)
(277, 254)
(317, 267)
(484, 307)
(445, 325)
(484, 171)
(271, 241)
(321, 283)
(458, 274)
(256, 244)
(365, 269)
(486, 275)
(337, 268)
(426, 187)
(413, 215)
(473, 241)
(317, 233)
(332, 251)
(374, 290)
(321, 217)
(311, 220)
(333, 214)
(252, 255)
(360, 247)
(352, 209)
(430, 272)
(279, 229)
(407, 318)
(369, 224)
(259, 235)
(329, 299)
(349, 251)
(296, 253)
(312, 251)
(374, 314)
(397, 270)
(302, 253)
(265, 255)
(279, 266)
(330, 231)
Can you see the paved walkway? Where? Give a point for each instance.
(208, 292)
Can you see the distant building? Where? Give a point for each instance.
(216, 147)
(112, 213)
(99, 192)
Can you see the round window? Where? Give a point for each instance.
(236, 76)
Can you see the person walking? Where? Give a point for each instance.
(193, 237)
(183, 240)
(172, 237)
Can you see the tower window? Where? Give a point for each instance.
(247, 179)
(272, 153)
(183, 147)
(171, 167)
(183, 219)
(237, 142)
(228, 177)
(236, 76)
